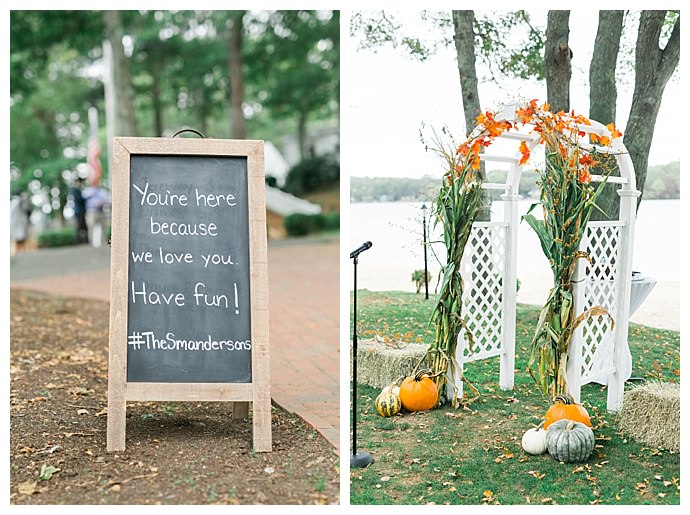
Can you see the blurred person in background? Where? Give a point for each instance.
(79, 210)
(97, 199)
(20, 209)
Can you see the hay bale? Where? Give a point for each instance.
(380, 363)
(650, 414)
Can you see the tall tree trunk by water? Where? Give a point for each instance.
(464, 47)
(653, 68)
(238, 129)
(603, 95)
(557, 56)
(123, 83)
(463, 24)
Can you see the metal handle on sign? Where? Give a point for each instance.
(188, 130)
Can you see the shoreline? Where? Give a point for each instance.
(661, 309)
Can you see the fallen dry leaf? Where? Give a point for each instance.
(27, 487)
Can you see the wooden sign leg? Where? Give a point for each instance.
(117, 398)
(116, 424)
(240, 410)
(261, 419)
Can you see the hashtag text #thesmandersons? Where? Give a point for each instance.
(147, 340)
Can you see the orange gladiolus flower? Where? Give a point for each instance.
(584, 176)
(524, 150)
(586, 160)
(475, 163)
(615, 133)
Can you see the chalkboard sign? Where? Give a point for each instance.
(188, 301)
(189, 295)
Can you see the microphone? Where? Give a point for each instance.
(365, 246)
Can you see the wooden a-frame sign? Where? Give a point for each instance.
(189, 279)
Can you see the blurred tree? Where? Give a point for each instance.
(298, 61)
(127, 122)
(34, 33)
(236, 91)
(179, 76)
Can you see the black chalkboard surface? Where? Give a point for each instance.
(188, 300)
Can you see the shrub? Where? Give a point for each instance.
(57, 238)
(298, 224)
(418, 279)
(311, 174)
(333, 222)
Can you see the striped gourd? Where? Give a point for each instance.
(569, 441)
(388, 404)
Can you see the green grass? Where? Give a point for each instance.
(474, 455)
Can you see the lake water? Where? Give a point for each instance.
(395, 229)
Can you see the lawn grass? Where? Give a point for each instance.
(474, 455)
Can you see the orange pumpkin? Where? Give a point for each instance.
(419, 392)
(564, 407)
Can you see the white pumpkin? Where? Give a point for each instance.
(534, 441)
(391, 388)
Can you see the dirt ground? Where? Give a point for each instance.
(177, 453)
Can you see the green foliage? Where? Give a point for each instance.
(57, 238)
(332, 221)
(298, 224)
(418, 279)
(392, 189)
(312, 174)
(663, 181)
(506, 39)
(457, 206)
(178, 61)
(567, 199)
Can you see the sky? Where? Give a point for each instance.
(390, 96)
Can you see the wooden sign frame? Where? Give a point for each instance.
(119, 389)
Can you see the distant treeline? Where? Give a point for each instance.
(663, 182)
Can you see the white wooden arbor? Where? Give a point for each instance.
(489, 269)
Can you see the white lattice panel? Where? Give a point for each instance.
(483, 270)
(601, 242)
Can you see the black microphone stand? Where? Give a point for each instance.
(357, 459)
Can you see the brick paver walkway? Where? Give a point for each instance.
(304, 285)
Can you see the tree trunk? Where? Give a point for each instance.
(557, 56)
(463, 24)
(302, 134)
(238, 128)
(123, 82)
(464, 46)
(653, 69)
(602, 68)
(603, 94)
(157, 104)
(202, 111)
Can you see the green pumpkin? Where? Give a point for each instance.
(569, 441)
(388, 404)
